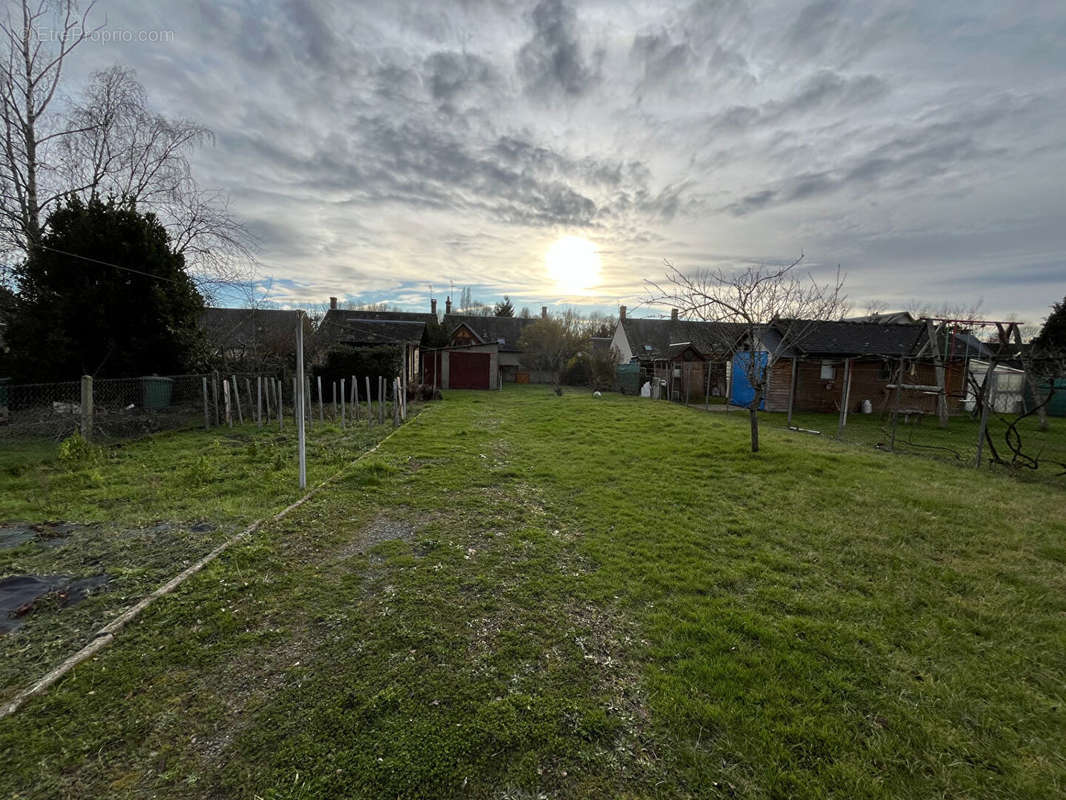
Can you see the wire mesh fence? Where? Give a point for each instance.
(40, 410)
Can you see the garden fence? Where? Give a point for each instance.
(104, 409)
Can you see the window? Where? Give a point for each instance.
(828, 371)
(885, 373)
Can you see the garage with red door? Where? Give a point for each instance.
(469, 370)
(469, 367)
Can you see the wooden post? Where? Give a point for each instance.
(355, 398)
(237, 400)
(846, 398)
(334, 398)
(321, 412)
(309, 408)
(280, 399)
(792, 390)
(225, 395)
(986, 401)
(342, 402)
(938, 362)
(707, 390)
(248, 394)
(369, 410)
(207, 407)
(87, 407)
(214, 392)
(895, 411)
(259, 400)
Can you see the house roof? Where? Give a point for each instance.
(504, 331)
(360, 331)
(886, 318)
(822, 338)
(231, 328)
(344, 326)
(651, 338)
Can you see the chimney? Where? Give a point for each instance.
(543, 312)
(433, 306)
(333, 304)
(673, 314)
(448, 306)
(621, 313)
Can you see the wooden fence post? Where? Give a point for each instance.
(225, 396)
(259, 400)
(845, 399)
(207, 407)
(214, 392)
(987, 391)
(342, 402)
(87, 407)
(895, 411)
(321, 413)
(237, 401)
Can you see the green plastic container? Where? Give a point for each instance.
(156, 392)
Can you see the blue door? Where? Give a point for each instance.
(743, 392)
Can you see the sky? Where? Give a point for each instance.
(376, 150)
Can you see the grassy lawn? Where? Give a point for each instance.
(956, 443)
(129, 516)
(521, 595)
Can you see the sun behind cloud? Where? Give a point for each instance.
(574, 264)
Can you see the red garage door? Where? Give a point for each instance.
(468, 370)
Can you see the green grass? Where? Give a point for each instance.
(140, 512)
(522, 595)
(956, 443)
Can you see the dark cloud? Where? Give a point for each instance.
(452, 75)
(890, 137)
(553, 62)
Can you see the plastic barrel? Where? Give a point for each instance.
(156, 392)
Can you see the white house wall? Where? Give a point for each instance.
(621, 344)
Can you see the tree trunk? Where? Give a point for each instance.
(753, 413)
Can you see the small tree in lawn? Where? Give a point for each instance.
(548, 344)
(742, 303)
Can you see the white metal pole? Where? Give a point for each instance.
(301, 443)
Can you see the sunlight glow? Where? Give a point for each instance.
(573, 264)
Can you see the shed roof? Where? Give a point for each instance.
(651, 338)
(346, 326)
(823, 338)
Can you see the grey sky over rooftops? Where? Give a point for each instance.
(376, 148)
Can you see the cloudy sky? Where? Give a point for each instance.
(376, 149)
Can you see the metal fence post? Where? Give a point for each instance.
(87, 406)
(300, 400)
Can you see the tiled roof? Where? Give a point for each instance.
(821, 338)
(505, 331)
(651, 338)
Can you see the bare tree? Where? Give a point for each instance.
(743, 303)
(107, 143)
(549, 343)
(30, 72)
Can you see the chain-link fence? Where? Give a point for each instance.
(123, 408)
(40, 410)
